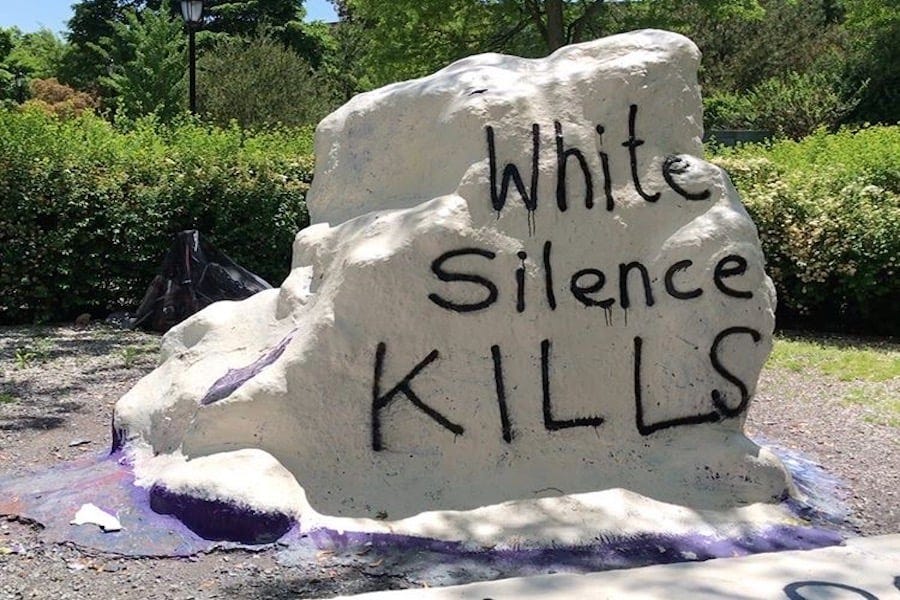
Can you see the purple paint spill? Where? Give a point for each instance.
(235, 378)
(824, 495)
(52, 498)
(217, 520)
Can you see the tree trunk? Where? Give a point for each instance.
(556, 35)
(577, 27)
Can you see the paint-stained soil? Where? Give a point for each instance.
(58, 386)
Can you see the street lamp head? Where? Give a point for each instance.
(192, 11)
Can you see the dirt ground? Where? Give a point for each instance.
(58, 386)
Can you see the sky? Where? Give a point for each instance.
(31, 15)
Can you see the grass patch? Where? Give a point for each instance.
(39, 350)
(7, 398)
(843, 358)
(132, 354)
(872, 367)
(885, 405)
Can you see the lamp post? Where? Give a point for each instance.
(19, 83)
(192, 12)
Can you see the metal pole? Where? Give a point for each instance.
(192, 70)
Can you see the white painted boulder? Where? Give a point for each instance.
(521, 282)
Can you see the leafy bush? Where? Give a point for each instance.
(793, 105)
(87, 210)
(728, 110)
(828, 213)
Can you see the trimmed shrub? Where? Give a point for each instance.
(828, 213)
(88, 209)
(52, 97)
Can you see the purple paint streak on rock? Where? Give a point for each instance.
(611, 552)
(437, 562)
(217, 520)
(235, 378)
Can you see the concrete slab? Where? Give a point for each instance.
(864, 568)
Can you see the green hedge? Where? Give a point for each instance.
(828, 212)
(87, 209)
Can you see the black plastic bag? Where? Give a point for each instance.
(194, 274)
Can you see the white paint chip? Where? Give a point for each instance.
(89, 514)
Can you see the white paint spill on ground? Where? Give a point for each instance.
(89, 514)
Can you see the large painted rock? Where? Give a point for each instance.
(521, 282)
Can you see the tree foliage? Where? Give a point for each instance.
(407, 38)
(146, 64)
(93, 21)
(259, 81)
(750, 47)
(873, 64)
(39, 54)
(283, 19)
(780, 70)
(24, 56)
(740, 53)
(791, 105)
(11, 84)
